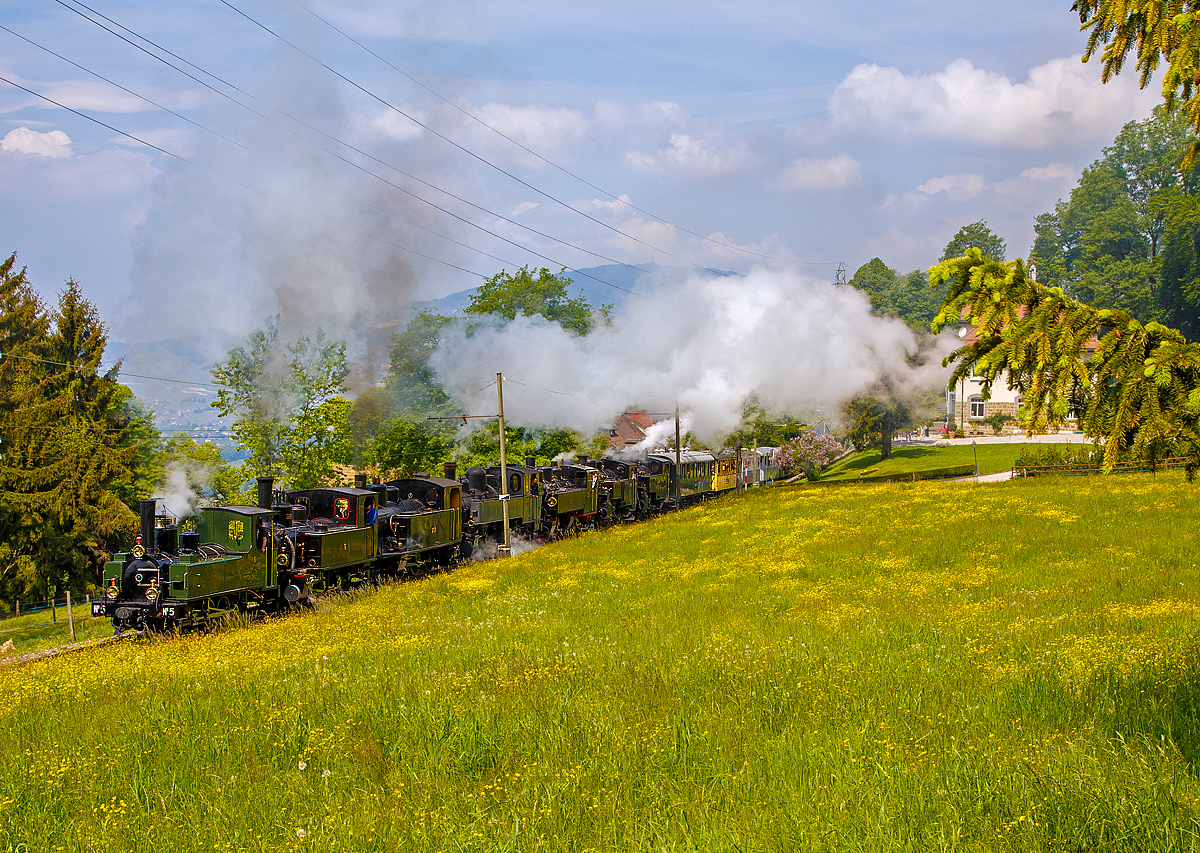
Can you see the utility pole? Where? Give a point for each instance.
(504, 550)
(678, 463)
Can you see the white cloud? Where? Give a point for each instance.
(957, 185)
(524, 207)
(1060, 100)
(688, 154)
(26, 141)
(1051, 172)
(821, 174)
(540, 127)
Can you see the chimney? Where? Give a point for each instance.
(530, 462)
(265, 488)
(146, 509)
(581, 459)
(449, 469)
(360, 481)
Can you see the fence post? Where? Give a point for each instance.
(70, 621)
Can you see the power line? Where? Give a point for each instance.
(447, 139)
(353, 148)
(544, 159)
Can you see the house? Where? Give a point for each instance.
(630, 428)
(966, 406)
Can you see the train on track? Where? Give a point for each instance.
(295, 545)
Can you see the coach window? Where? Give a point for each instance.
(978, 407)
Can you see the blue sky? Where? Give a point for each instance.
(799, 131)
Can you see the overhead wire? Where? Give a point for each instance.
(169, 153)
(617, 198)
(461, 148)
(353, 148)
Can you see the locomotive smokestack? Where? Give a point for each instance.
(360, 481)
(265, 487)
(146, 509)
(449, 469)
(581, 459)
(530, 461)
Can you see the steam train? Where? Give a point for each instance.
(295, 545)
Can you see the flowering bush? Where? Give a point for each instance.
(808, 452)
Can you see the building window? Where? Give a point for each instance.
(977, 407)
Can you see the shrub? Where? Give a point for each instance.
(808, 452)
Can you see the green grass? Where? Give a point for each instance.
(879, 668)
(37, 631)
(993, 458)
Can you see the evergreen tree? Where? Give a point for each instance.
(1137, 394)
(68, 448)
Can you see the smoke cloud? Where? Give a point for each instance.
(274, 224)
(796, 344)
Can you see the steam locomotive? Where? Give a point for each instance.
(295, 545)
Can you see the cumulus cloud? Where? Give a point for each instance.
(691, 155)
(821, 174)
(524, 207)
(959, 186)
(1060, 99)
(26, 141)
(967, 186)
(540, 127)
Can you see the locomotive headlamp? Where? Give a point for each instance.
(152, 592)
(552, 501)
(112, 591)
(138, 551)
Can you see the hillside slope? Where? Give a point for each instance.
(866, 668)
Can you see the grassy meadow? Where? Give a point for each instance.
(993, 458)
(874, 667)
(36, 631)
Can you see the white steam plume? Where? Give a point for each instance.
(708, 343)
(178, 496)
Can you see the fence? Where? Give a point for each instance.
(47, 605)
(1084, 469)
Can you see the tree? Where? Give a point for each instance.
(482, 446)
(809, 452)
(204, 470)
(908, 297)
(411, 381)
(69, 442)
(1124, 238)
(978, 235)
(286, 400)
(872, 418)
(409, 445)
(1160, 30)
(1137, 394)
(527, 293)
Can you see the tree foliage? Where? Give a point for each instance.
(1135, 386)
(976, 235)
(1127, 236)
(809, 452)
(527, 292)
(287, 404)
(908, 297)
(1157, 31)
(871, 419)
(71, 442)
